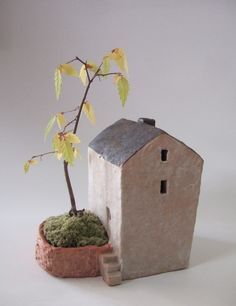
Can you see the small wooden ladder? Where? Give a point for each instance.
(110, 269)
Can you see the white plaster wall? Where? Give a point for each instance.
(157, 229)
(105, 192)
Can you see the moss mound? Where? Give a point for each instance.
(75, 231)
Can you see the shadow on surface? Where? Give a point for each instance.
(205, 250)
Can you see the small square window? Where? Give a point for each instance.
(164, 155)
(163, 186)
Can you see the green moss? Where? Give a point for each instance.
(75, 231)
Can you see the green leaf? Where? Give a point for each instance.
(69, 70)
(26, 167)
(67, 151)
(59, 156)
(118, 55)
(92, 66)
(62, 144)
(72, 138)
(61, 121)
(77, 153)
(29, 163)
(57, 82)
(49, 127)
(56, 143)
(106, 65)
(122, 64)
(89, 112)
(83, 75)
(33, 162)
(123, 88)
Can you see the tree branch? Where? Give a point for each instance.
(96, 73)
(111, 73)
(43, 154)
(76, 59)
(84, 98)
(86, 69)
(69, 123)
(80, 60)
(71, 111)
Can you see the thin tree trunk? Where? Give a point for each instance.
(70, 190)
(74, 210)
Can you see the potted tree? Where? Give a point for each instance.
(69, 245)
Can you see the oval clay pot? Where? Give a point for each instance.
(69, 262)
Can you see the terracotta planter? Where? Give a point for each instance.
(69, 262)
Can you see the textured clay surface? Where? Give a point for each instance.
(110, 269)
(69, 262)
(151, 230)
(157, 228)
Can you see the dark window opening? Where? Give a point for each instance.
(108, 214)
(164, 154)
(163, 186)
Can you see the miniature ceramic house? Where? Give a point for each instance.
(144, 185)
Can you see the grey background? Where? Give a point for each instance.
(182, 69)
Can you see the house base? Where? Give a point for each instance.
(134, 275)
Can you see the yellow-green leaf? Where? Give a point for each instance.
(56, 143)
(122, 64)
(72, 138)
(67, 152)
(49, 127)
(83, 75)
(29, 163)
(118, 55)
(61, 121)
(77, 153)
(89, 112)
(63, 148)
(106, 65)
(26, 166)
(59, 156)
(57, 82)
(123, 88)
(69, 70)
(33, 162)
(117, 77)
(92, 66)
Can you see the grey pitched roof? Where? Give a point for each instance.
(118, 142)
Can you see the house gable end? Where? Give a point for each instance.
(152, 219)
(184, 145)
(123, 139)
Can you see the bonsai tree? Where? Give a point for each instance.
(65, 141)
